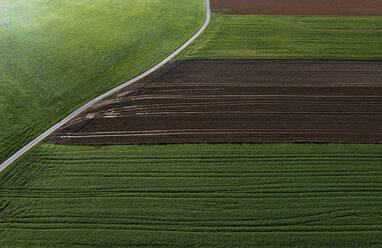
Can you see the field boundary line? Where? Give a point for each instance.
(87, 105)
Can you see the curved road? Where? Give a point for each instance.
(29, 146)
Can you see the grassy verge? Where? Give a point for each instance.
(56, 55)
(290, 37)
(254, 195)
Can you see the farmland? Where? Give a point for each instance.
(263, 195)
(248, 78)
(289, 37)
(56, 55)
(298, 7)
(239, 101)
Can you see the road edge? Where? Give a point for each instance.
(87, 105)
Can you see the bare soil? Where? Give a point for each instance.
(239, 101)
(298, 7)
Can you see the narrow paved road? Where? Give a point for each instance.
(29, 146)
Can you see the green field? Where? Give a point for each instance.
(55, 55)
(289, 37)
(254, 195)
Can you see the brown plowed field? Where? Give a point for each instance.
(240, 101)
(298, 7)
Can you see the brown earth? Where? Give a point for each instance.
(298, 7)
(240, 101)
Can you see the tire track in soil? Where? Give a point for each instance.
(239, 101)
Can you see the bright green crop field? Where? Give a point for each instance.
(55, 55)
(289, 37)
(203, 195)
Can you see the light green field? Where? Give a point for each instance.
(55, 55)
(259, 195)
(290, 37)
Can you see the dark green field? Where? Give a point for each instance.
(56, 55)
(259, 195)
(290, 37)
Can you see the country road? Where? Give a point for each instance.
(84, 107)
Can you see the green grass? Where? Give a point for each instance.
(55, 55)
(289, 37)
(254, 195)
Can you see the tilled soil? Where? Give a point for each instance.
(298, 7)
(239, 101)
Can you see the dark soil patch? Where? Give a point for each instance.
(298, 7)
(240, 101)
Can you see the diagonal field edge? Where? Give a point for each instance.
(75, 113)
